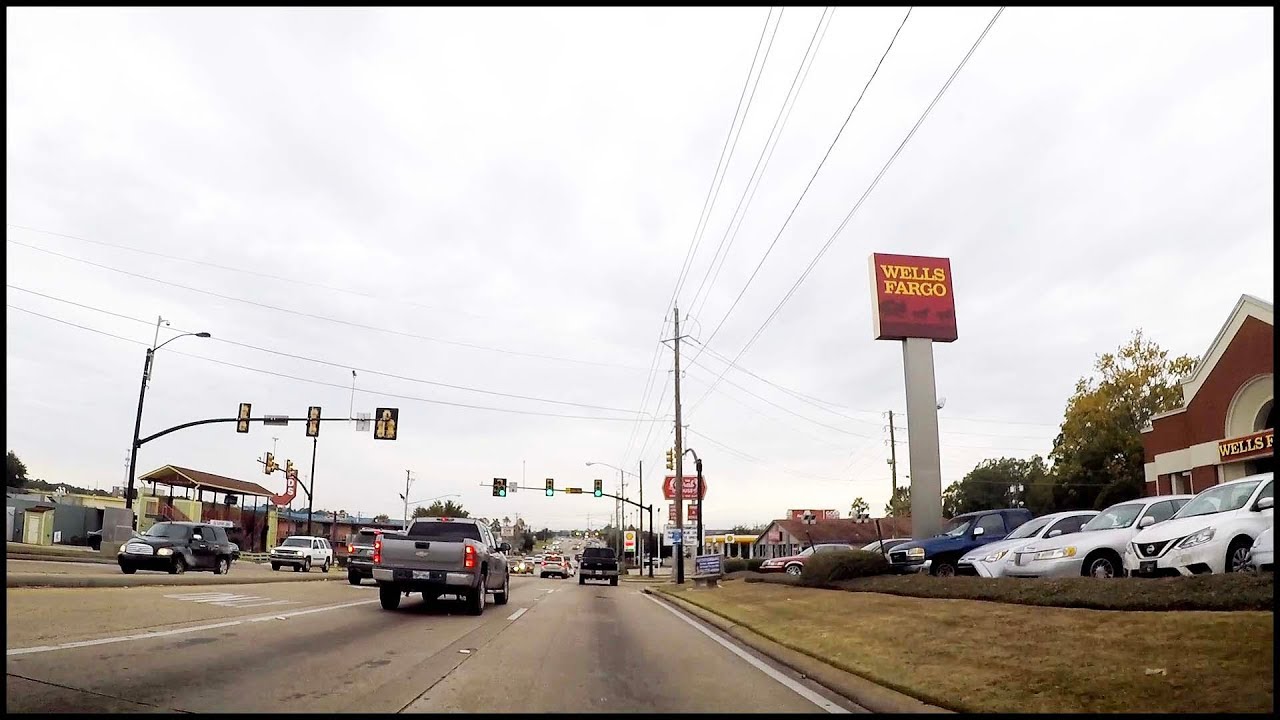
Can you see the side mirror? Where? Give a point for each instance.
(1147, 521)
(1054, 533)
(505, 547)
(978, 531)
(1265, 503)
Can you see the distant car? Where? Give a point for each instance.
(235, 551)
(794, 564)
(886, 545)
(1212, 533)
(991, 560)
(1096, 550)
(1262, 556)
(177, 547)
(360, 555)
(553, 565)
(301, 552)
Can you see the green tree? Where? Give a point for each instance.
(383, 518)
(15, 471)
(447, 508)
(747, 529)
(526, 542)
(496, 527)
(859, 507)
(900, 504)
(994, 483)
(951, 500)
(1097, 456)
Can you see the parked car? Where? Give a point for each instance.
(1097, 550)
(177, 547)
(1212, 533)
(884, 546)
(235, 551)
(794, 564)
(360, 554)
(301, 552)
(1262, 556)
(991, 560)
(442, 556)
(553, 565)
(940, 554)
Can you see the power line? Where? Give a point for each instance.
(325, 383)
(313, 316)
(345, 366)
(809, 184)
(866, 193)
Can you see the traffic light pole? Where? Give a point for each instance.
(311, 502)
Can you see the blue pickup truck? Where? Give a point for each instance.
(940, 554)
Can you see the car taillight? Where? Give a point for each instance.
(469, 558)
(350, 549)
(377, 550)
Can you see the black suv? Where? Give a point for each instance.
(178, 547)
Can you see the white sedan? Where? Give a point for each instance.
(992, 559)
(1262, 556)
(1212, 533)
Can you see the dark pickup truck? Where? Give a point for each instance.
(598, 564)
(940, 554)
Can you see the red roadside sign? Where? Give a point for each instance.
(690, 487)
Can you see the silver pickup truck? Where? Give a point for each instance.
(442, 556)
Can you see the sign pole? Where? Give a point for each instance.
(922, 438)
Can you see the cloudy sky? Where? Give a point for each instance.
(485, 213)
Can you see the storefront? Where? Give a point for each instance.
(1225, 428)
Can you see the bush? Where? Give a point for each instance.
(825, 568)
(754, 564)
(734, 565)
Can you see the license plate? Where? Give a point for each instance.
(1147, 566)
(421, 574)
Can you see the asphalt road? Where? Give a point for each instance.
(330, 647)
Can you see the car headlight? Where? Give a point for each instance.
(165, 551)
(915, 552)
(1197, 538)
(1057, 553)
(995, 556)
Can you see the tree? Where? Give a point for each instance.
(15, 471)
(1097, 456)
(506, 520)
(447, 508)
(900, 504)
(748, 529)
(859, 507)
(383, 518)
(951, 501)
(526, 542)
(496, 527)
(992, 484)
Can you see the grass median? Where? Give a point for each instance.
(994, 657)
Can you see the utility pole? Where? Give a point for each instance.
(642, 547)
(679, 482)
(406, 499)
(893, 458)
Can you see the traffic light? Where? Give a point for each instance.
(242, 421)
(551, 487)
(313, 421)
(269, 466)
(599, 488)
(671, 459)
(288, 469)
(499, 487)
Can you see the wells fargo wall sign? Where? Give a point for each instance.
(913, 297)
(1258, 444)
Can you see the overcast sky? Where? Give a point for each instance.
(501, 200)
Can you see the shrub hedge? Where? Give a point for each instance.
(823, 569)
(754, 564)
(734, 565)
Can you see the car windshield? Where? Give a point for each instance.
(168, 530)
(1116, 516)
(956, 527)
(296, 542)
(1029, 528)
(1219, 499)
(806, 552)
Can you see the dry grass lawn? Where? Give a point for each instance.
(978, 656)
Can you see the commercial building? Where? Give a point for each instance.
(1225, 428)
(783, 538)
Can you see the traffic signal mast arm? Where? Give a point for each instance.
(194, 423)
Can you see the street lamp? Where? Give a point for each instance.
(137, 423)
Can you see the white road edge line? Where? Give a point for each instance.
(178, 631)
(791, 684)
(516, 615)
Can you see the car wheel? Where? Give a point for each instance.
(179, 566)
(275, 566)
(306, 565)
(1238, 556)
(500, 598)
(943, 568)
(613, 581)
(222, 567)
(353, 577)
(128, 569)
(795, 569)
(1102, 565)
(543, 576)
(325, 567)
(389, 596)
(475, 600)
(582, 580)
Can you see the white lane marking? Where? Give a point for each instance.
(794, 686)
(226, 599)
(551, 591)
(178, 631)
(516, 615)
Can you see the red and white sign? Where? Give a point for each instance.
(671, 513)
(629, 540)
(818, 515)
(291, 490)
(690, 487)
(692, 513)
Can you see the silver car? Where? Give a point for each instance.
(992, 559)
(1098, 549)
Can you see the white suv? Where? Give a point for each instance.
(1212, 533)
(301, 552)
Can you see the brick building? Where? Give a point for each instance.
(1226, 425)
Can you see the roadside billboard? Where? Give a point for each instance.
(819, 515)
(690, 487)
(912, 298)
(629, 541)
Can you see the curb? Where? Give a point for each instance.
(870, 695)
(60, 558)
(33, 580)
